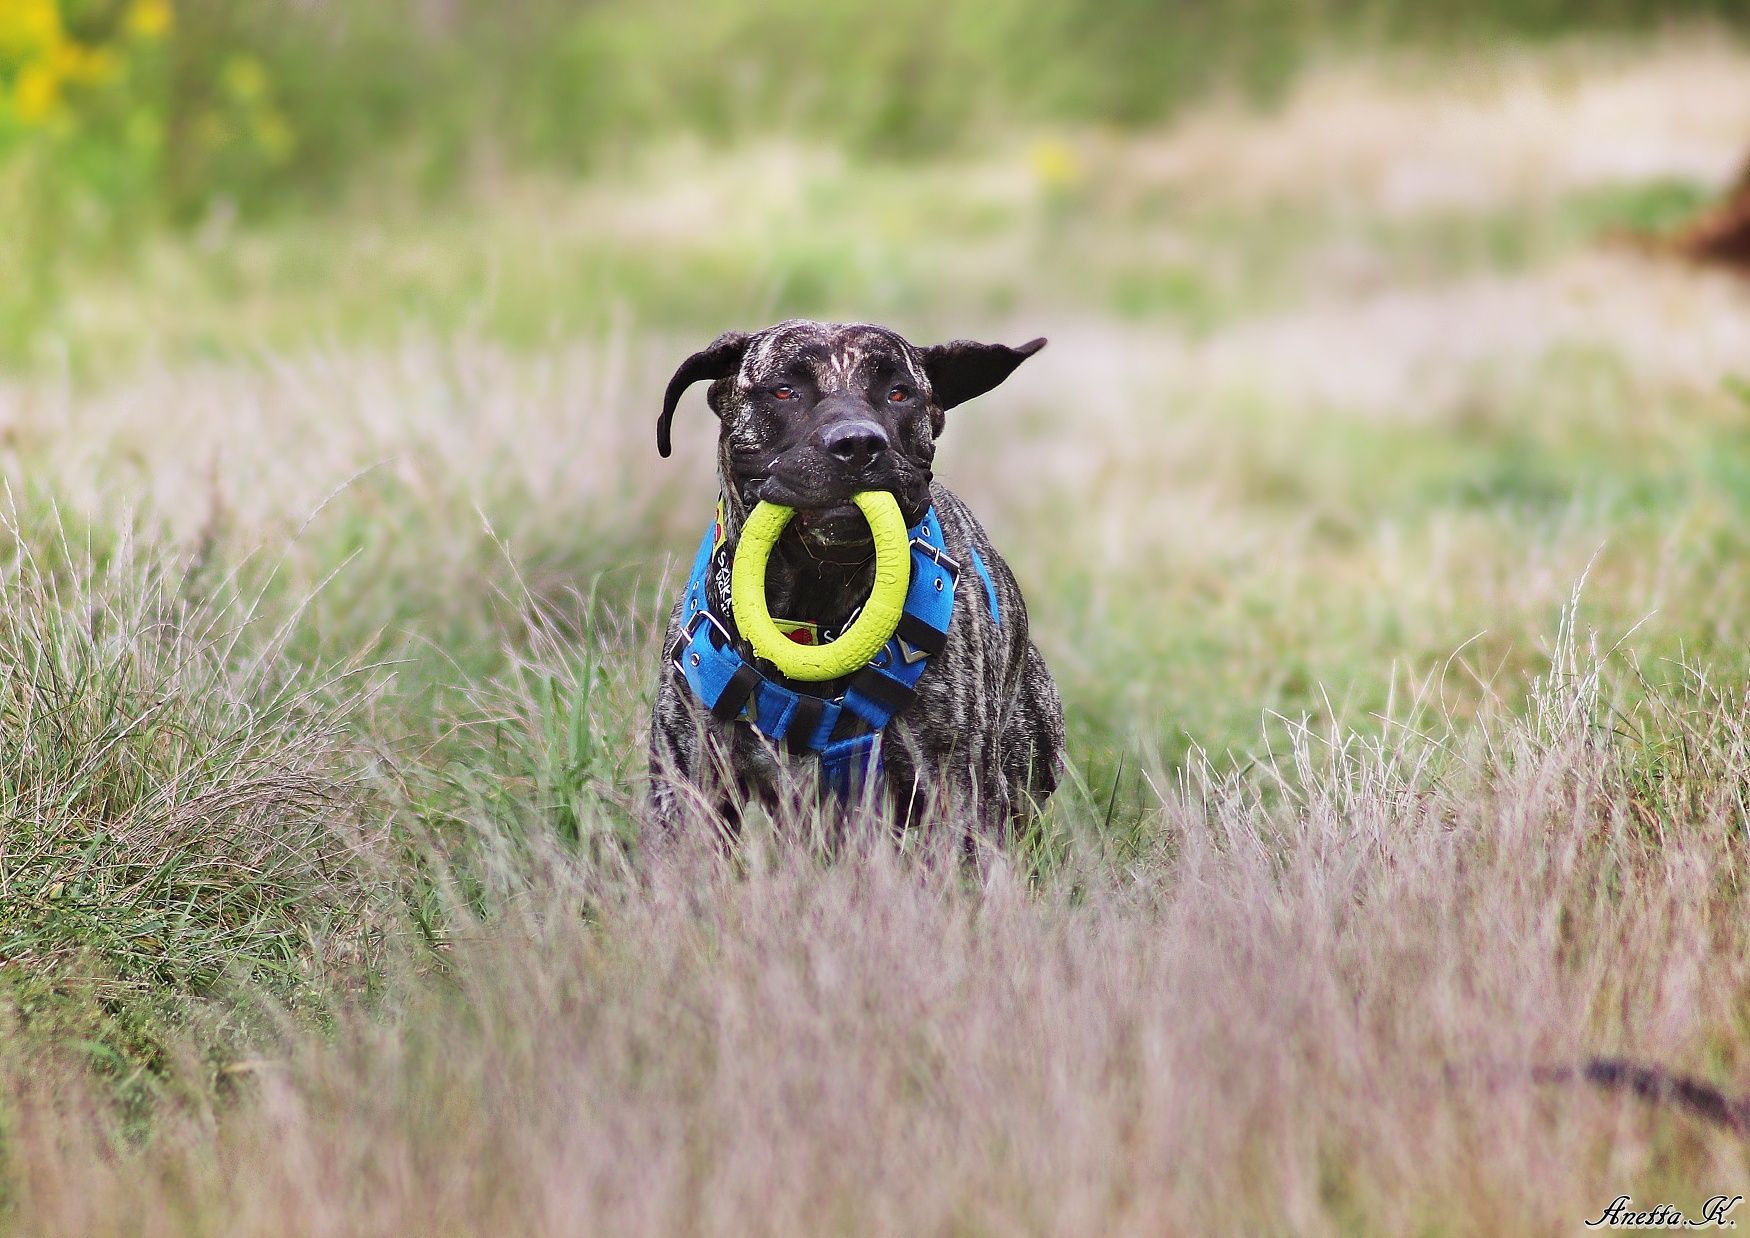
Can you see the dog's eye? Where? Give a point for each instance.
(899, 394)
(784, 393)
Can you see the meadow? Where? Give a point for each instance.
(1384, 513)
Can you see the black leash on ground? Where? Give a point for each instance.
(1658, 1086)
(1653, 1084)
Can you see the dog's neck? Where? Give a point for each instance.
(799, 584)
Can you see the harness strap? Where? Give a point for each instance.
(733, 689)
(919, 636)
(887, 694)
(990, 588)
(799, 733)
(847, 764)
(742, 681)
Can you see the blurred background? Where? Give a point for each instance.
(539, 167)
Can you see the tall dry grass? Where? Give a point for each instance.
(180, 802)
(1313, 1005)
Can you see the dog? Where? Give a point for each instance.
(966, 718)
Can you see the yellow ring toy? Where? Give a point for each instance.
(863, 639)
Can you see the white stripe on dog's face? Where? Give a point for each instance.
(839, 356)
(821, 362)
(834, 358)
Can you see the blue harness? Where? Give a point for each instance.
(845, 731)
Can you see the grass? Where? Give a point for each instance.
(1381, 519)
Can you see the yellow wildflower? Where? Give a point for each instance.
(28, 27)
(1055, 163)
(150, 19)
(245, 78)
(36, 95)
(274, 135)
(74, 62)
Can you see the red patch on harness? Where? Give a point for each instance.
(800, 632)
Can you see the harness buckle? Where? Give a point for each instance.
(691, 629)
(941, 558)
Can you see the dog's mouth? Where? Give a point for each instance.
(841, 526)
(829, 526)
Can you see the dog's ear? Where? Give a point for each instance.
(962, 369)
(718, 359)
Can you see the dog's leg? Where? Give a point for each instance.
(679, 773)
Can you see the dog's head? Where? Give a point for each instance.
(813, 412)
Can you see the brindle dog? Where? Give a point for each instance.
(811, 414)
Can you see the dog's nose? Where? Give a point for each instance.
(856, 442)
